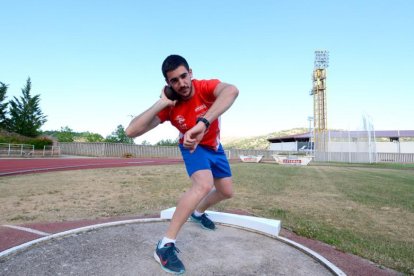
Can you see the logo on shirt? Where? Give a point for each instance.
(200, 107)
(181, 122)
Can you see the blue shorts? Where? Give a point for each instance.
(204, 158)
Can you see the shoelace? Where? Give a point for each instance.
(171, 252)
(205, 219)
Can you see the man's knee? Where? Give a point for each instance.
(227, 193)
(225, 187)
(202, 181)
(203, 187)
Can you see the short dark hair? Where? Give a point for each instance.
(172, 62)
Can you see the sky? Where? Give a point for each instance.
(95, 64)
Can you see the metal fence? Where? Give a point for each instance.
(25, 150)
(118, 150)
(364, 157)
(395, 157)
(16, 149)
(51, 151)
(130, 150)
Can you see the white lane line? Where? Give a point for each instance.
(330, 266)
(73, 231)
(70, 167)
(30, 230)
(268, 227)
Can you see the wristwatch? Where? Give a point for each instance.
(204, 120)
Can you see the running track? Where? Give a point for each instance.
(24, 166)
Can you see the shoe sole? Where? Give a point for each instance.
(202, 226)
(164, 268)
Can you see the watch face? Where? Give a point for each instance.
(171, 94)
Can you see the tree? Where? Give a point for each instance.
(4, 122)
(65, 134)
(167, 142)
(119, 136)
(26, 116)
(146, 143)
(94, 137)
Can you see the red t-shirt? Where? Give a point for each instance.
(185, 113)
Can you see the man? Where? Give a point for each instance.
(194, 108)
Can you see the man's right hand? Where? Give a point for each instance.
(166, 99)
(194, 136)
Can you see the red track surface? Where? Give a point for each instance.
(21, 166)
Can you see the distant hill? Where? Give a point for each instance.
(259, 142)
(14, 138)
(9, 137)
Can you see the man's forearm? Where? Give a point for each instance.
(145, 121)
(223, 102)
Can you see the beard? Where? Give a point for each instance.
(186, 92)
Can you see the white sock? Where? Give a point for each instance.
(197, 213)
(164, 241)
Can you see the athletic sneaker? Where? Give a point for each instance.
(205, 222)
(168, 259)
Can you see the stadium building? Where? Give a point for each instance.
(342, 146)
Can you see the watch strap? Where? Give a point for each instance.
(204, 120)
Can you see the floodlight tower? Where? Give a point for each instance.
(318, 92)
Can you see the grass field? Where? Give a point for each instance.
(367, 210)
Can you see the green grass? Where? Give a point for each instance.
(365, 165)
(364, 210)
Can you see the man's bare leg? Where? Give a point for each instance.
(202, 184)
(223, 189)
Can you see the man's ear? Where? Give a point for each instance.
(191, 73)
